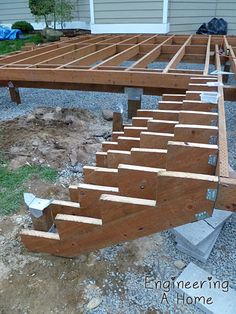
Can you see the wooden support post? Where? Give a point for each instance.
(134, 100)
(14, 93)
(117, 122)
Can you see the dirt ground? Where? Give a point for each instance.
(58, 138)
(53, 137)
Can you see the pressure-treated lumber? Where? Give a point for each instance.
(167, 168)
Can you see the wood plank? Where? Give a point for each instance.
(109, 145)
(191, 157)
(140, 121)
(147, 157)
(101, 176)
(150, 56)
(223, 169)
(166, 115)
(101, 159)
(173, 97)
(196, 133)
(134, 131)
(207, 59)
(161, 126)
(184, 195)
(116, 134)
(155, 140)
(178, 56)
(226, 194)
(126, 143)
(137, 181)
(196, 105)
(116, 157)
(88, 196)
(68, 225)
(202, 87)
(170, 105)
(124, 55)
(198, 117)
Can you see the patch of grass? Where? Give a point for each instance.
(7, 46)
(12, 181)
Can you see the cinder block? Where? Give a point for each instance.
(206, 248)
(195, 233)
(223, 298)
(218, 218)
(198, 239)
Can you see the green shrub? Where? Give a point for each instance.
(24, 26)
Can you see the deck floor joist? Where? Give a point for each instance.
(113, 62)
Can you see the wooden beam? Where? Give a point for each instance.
(178, 56)
(207, 59)
(150, 56)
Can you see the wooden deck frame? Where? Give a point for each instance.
(169, 167)
(112, 62)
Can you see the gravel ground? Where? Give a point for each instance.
(124, 289)
(33, 98)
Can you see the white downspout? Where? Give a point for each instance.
(165, 14)
(91, 7)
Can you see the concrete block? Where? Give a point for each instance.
(198, 287)
(204, 246)
(207, 247)
(218, 218)
(195, 233)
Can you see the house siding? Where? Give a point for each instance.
(19, 10)
(128, 11)
(185, 16)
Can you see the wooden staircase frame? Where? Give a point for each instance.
(167, 168)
